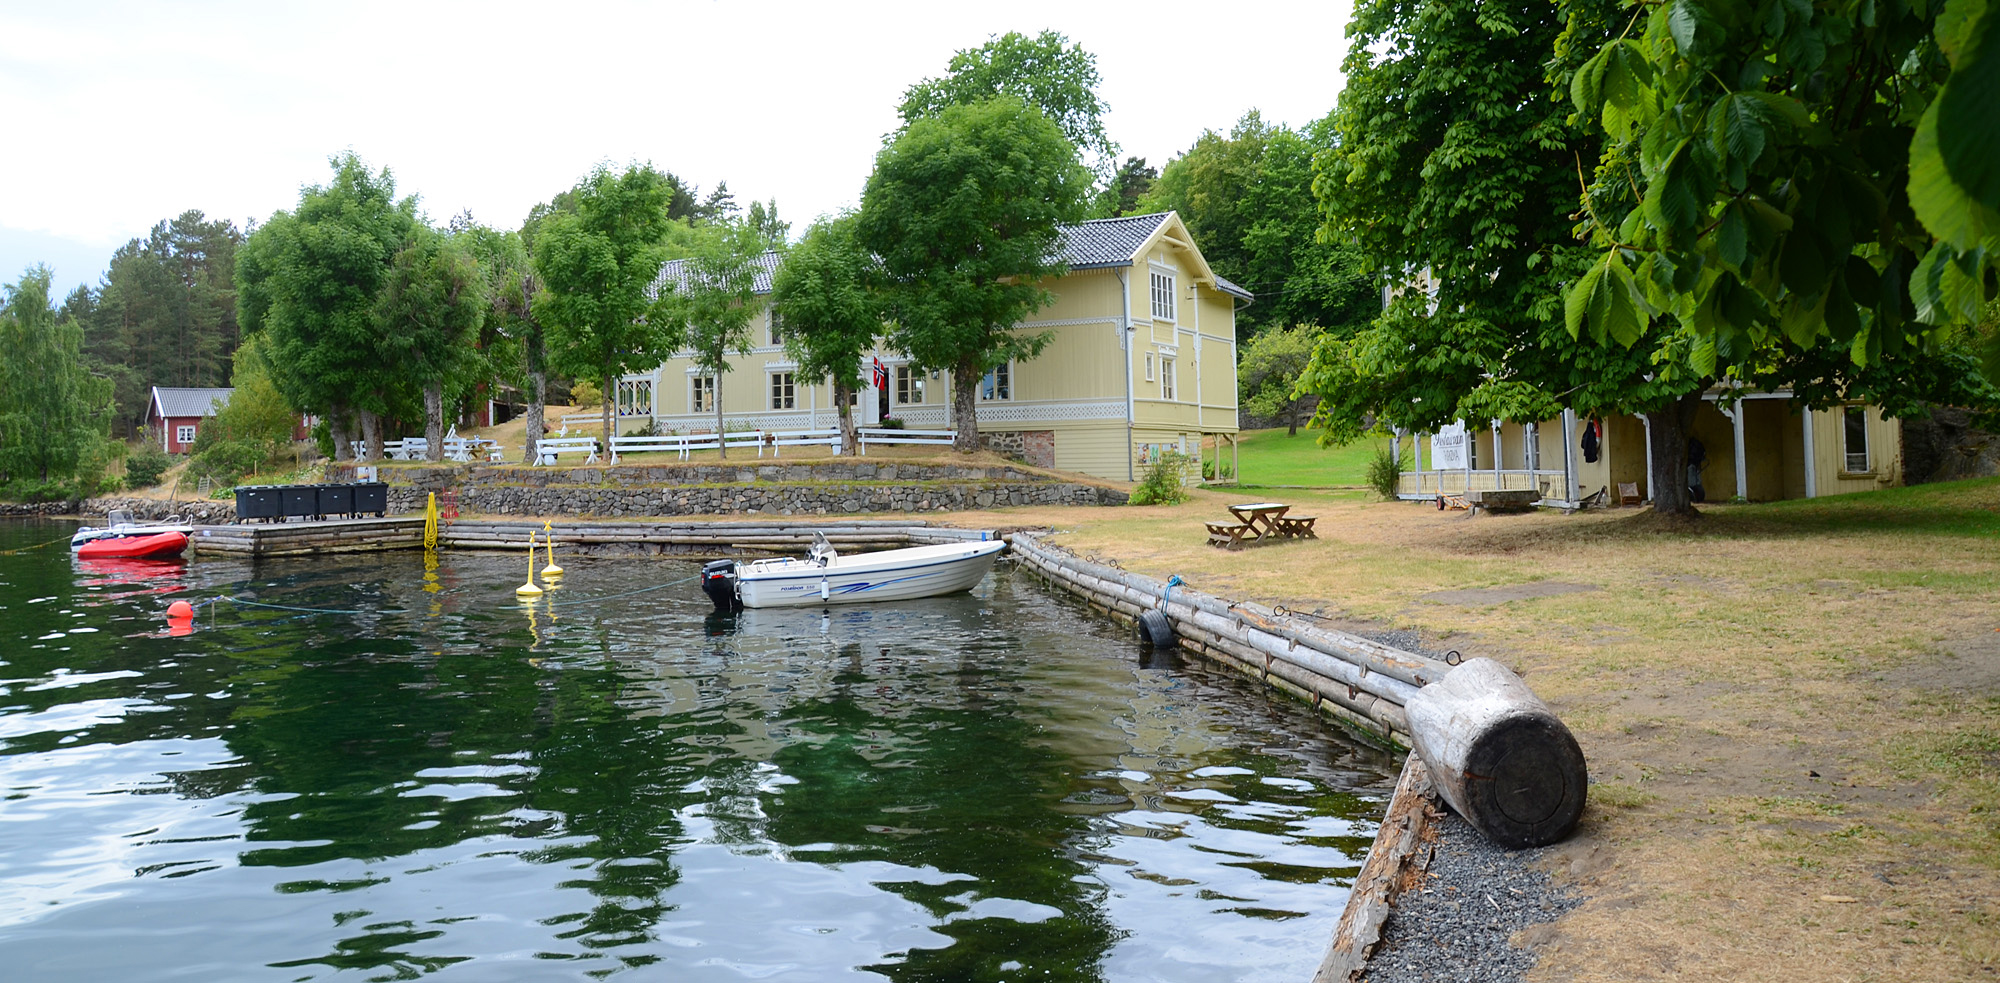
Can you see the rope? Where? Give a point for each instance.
(246, 602)
(24, 549)
(1167, 597)
(629, 593)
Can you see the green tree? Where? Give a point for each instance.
(1045, 71)
(962, 210)
(429, 312)
(831, 318)
(1756, 222)
(256, 415)
(1454, 176)
(1268, 371)
(517, 345)
(166, 313)
(1247, 197)
(1121, 195)
(311, 279)
(598, 264)
(710, 296)
(55, 417)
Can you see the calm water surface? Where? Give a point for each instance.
(432, 780)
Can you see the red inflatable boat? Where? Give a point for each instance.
(159, 545)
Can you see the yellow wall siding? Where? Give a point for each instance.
(1096, 450)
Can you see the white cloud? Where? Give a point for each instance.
(124, 114)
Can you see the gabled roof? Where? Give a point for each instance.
(1095, 244)
(188, 402)
(676, 271)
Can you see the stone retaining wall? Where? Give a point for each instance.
(773, 499)
(749, 472)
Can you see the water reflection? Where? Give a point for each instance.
(399, 770)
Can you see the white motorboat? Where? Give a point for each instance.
(826, 577)
(119, 524)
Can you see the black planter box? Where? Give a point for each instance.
(336, 499)
(259, 502)
(371, 496)
(301, 500)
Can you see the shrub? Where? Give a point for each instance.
(226, 461)
(1164, 481)
(585, 394)
(1384, 472)
(651, 429)
(891, 423)
(144, 467)
(32, 490)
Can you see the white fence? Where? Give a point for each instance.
(683, 446)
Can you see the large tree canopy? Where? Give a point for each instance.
(598, 254)
(1045, 71)
(55, 417)
(963, 210)
(710, 298)
(830, 316)
(311, 279)
(1247, 196)
(430, 311)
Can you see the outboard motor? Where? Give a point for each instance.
(718, 581)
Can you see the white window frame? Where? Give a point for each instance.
(908, 383)
(775, 331)
(184, 433)
(1162, 283)
(784, 390)
(635, 397)
(697, 386)
(1001, 390)
(1848, 455)
(1168, 381)
(1149, 366)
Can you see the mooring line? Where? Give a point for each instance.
(629, 593)
(24, 549)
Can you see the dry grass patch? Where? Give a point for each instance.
(1782, 704)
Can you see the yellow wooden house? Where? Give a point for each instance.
(1758, 447)
(1142, 360)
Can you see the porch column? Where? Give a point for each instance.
(1648, 421)
(1569, 455)
(1812, 473)
(1736, 428)
(1496, 452)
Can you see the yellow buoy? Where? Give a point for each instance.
(529, 589)
(551, 571)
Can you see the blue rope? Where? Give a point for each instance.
(1167, 597)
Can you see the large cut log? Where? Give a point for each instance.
(1498, 754)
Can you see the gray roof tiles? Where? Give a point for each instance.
(189, 402)
(1089, 245)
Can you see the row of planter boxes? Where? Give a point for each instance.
(278, 503)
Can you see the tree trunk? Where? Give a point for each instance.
(721, 439)
(1292, 419)
(343, 438)
(371, 435)
(841, 392)
(538, 395)
(610, 392)
(434, 421)
(1670, 427)
(965, 378)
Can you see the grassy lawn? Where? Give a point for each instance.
(1271, 459)
(1791, 711)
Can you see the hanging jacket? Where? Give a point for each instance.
(1590, 442)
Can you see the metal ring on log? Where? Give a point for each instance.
(1499, 755)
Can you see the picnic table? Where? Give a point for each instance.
(1258, 521)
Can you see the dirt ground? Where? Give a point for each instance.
(1791, 712)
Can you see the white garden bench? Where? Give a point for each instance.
(549, 450)
(883, 435)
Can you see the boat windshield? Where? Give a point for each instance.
(119, 517)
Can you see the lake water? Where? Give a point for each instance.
(422, 778)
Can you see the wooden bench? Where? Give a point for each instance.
(549, 450)
(1628, 493)
(1297, 526)
(1228, 535)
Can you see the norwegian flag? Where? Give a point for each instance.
(881, 376)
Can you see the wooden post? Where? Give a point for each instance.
(1391, 862)
(1498, 754)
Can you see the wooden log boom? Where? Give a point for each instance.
(1499, 755)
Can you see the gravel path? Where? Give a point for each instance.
(1456, 926)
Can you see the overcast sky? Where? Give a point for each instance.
(120, 115)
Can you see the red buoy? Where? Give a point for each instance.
(180, 611)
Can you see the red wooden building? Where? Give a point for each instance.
(176, 415)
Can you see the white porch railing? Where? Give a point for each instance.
(1431, 484)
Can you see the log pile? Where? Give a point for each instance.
(1357, 680)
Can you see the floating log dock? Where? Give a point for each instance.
(301, 538)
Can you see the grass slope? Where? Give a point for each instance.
(1269, 458)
